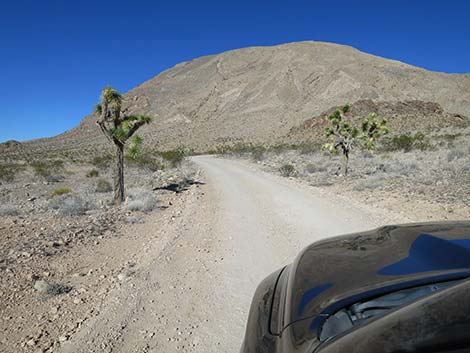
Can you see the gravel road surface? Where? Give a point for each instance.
(190, 287)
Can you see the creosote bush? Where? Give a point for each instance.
(103, 161)
(258, 153)
(146, 161)
(174, 157)
(407, 142)
(47, 168)
(8, 171)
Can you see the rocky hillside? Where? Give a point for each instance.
(259, 94)
(403, 117)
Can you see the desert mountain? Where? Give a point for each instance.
(259, 94)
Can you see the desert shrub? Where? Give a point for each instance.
(449, 137)
(455, 154)
(58, 289)
(408, 142)
(279, 148)
(51, 288)
(238, 149)
(405, 168)
(315, 168)
(69, 205)
(140, 200)
(146, 161)
(61, 191)
(92, 173)
(47, 168)
(102, 162)
(309, 148)
(174, 157)
(103, 185)
(257, 153)
(8, 171)
(287, 170)
(9, 210)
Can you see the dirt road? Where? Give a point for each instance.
(191, 285)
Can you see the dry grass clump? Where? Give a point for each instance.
(287, 170)
(140, 200)
(61, 191)
(69, 205)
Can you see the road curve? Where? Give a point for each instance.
(193, 293)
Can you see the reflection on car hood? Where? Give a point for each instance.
(334, 273)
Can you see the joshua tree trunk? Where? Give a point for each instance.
(345, 162)
(119, 175)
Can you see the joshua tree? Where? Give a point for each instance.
(118, 128)
(345, 136)
(372, 129)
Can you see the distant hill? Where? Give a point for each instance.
(259, 94)
(402, 117)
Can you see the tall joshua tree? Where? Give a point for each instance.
(118, 128)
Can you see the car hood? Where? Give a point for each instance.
(337, 272)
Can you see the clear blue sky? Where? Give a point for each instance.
(57, 55)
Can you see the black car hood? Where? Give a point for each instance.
(334, 273)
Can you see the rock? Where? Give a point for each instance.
(63, 338)
(32, 198)
(31, 342)
(122, 276)
(42, 286)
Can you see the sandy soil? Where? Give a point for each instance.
(194, 269)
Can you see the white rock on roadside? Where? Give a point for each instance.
(42, 286)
